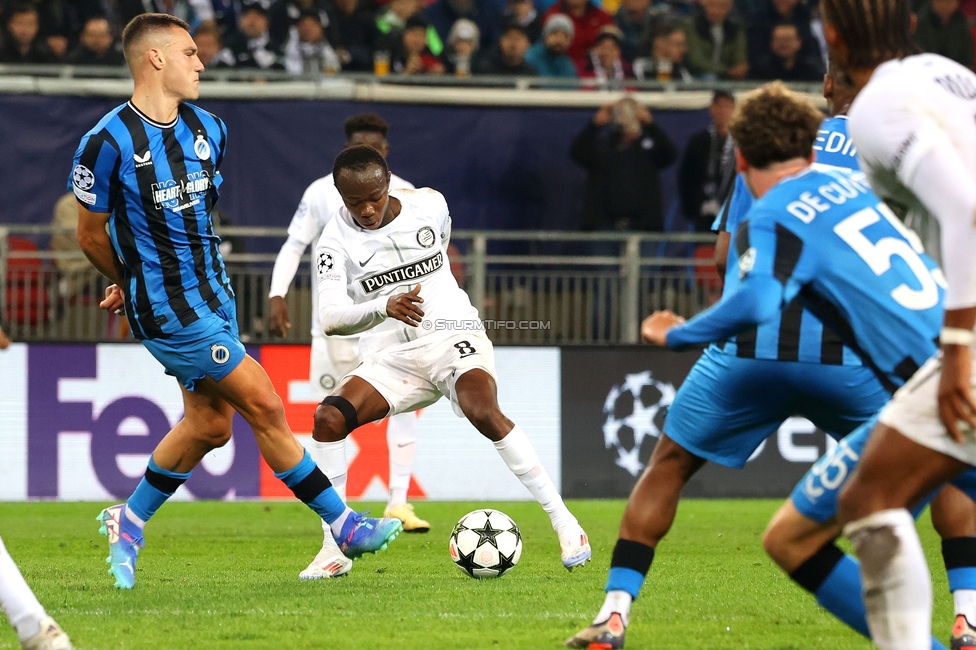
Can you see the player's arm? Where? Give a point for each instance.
(933, 169)
(96, 244)
(338, 313)
(761, 295)
(722, 251)
(301, 233)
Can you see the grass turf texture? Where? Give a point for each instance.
(225, 575)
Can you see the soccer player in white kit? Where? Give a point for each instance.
(383, 272)
(334, 356)
(914, 125)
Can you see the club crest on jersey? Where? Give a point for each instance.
(324, 263)
(406, 273)
(426, 237)
(219, 353)
(746, 261)
(201, 147)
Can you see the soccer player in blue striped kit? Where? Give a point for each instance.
(720, 418)
(149, 170)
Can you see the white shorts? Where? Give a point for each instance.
(332, 359)
(914, 413)
(414, 377)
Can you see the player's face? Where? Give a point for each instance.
(370, 139)
(181, 72)
(366, 196)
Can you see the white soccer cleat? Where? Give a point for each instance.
(574, 546)
(50, 637)
(329, 563)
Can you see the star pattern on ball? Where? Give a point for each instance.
(487, 534)
(504, 563)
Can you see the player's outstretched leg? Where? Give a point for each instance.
(647, 519)
(401, 440)
(476, 395)
(893, 471)
(35, 629)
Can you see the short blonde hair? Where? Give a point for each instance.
(774, 124)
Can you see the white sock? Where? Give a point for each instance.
(335, 528)
(131, 516)
(518, 453)
(897, 586)
(401, 438)
(331, 459)
(17, 599)
(965, 602)
(617, 600)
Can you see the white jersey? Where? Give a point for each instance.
(914, 125)
(320, 201)
(360, 269)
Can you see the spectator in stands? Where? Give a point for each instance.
(463, 42)
(96, 45)
(441, 14)
(226, 15)
(251, 45)
(284, 14)
(412, 54)
(195, 12)
(353, 33)
(665, 60)
(942, 28)
(308, 51)
(21, 41)
(606, 62)
(772, 14)
(716, 43)
(634, 20)
(522, 12)
(785, 60)
(74, 273)
(396, 14)
(548, 55)
(60, 21)
(623, 151)
(210, 48)
(707, 170)
(588, 20)
(508, 56)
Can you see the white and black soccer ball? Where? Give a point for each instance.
(635, 411)
(486, 544)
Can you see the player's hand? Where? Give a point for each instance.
(114, 299)
(603, 115)
(403, 307)
(956, 402)
(655, 327)
(4, 340)
(279, 321)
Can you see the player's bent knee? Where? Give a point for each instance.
(266, 408)
(334, 419)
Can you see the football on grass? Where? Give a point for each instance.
(486, 544)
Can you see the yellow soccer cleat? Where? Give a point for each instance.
(411, 522)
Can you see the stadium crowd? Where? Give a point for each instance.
(606, 40)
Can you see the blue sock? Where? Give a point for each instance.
(311, 486)
(835, 579)
(155, 487)
(629, 565)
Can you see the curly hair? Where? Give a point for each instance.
(774, 124)
(366, 122)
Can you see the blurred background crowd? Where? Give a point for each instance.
(606, 40)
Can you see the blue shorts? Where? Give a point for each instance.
(815, 496)
(209, 347)
(727, 406)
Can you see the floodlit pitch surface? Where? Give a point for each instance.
(225, 575)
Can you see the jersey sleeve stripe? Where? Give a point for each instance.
(742, 238)
(788, 250)
(156, 223)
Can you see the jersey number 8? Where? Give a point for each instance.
(878, 255)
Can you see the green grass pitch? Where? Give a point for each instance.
(225, 575)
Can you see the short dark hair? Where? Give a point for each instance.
(358, 159)
(722, 94)
(146, 23)
(370, 122)
(19, 8)
(874, 31)
(774, 124)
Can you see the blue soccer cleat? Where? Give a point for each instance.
(362, 534)
(124, 542)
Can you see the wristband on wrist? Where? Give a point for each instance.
(956, 336)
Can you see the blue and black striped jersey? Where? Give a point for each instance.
(795, 334)
(826, 238)
(159, 183)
